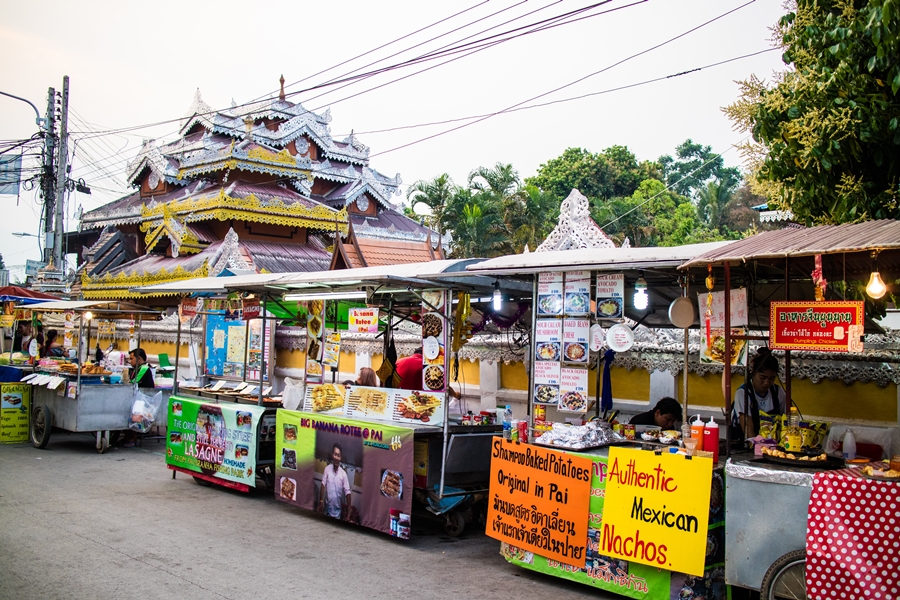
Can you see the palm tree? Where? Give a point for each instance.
(711, 201)
(530, 215)
(500, 182)
(436, 195)
(480, 231)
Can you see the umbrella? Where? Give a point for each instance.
(20, 295)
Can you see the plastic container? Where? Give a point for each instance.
(697, 430)
(849, 446)
(711, 439)
(507, 421)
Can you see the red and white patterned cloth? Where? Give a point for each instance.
(853, 538)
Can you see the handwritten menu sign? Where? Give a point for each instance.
(611, 296)
(573, 383)
(717, 319)
(550, 293)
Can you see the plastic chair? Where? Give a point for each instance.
(165, 366)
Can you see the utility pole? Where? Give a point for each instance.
(48, 175)
(62, 176)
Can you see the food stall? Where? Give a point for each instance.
(393, 446)
(221, 427)
(644, 519)
(74, 394)
(837, 528)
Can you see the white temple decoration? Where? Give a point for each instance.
(575, 228)
(230, 255)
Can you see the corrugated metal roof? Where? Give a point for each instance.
(288, 258)
(392, 252)
(107, 307)
(594, 259)
(420, 270)
(208, 284)
(825, 239)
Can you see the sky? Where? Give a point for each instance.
(134, 64)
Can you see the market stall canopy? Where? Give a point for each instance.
(854, 242)
(20, 295)
(209, 286)
(106, 309)
(657, 265)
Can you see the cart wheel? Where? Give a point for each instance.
(104, 444)
(786, 578)
(203, 482)
(41, 424)
(455, 524)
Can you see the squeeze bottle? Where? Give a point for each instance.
(849, 445)
(711, 439)
(697, 430)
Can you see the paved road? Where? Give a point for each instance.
(78, 525)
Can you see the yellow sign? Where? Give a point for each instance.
(539, 500)
(15, 404)
(656, 510)
(7, 320)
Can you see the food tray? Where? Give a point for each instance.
(571, 449)
(877, 478)
(830, 463)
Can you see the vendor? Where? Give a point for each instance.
(410, 370)
(665, 414)
(23, 336)
(52, 346)
(762, 392)
(140, 372)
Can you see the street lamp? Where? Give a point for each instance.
(23, 234)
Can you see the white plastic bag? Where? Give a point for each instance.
(292, 397)
(143, 410)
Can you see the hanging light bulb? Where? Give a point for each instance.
(641, 299)
(876, 287)
(498, 299)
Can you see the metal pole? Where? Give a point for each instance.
(727, 374)
(177, 349)
(787, 353)
(262, 350)
(47, 175)
(684, 377)
(448, 316)
(533, 345)
(62, 176)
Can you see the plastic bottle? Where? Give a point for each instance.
(697, 430)
(793, 439)
(849, 445)
(507, 421)
(711, 439)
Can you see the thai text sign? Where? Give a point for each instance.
(214, 439)
(828, 326)
(539, 500)
(656, 509)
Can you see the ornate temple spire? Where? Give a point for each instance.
(576, 229)
(281, 93)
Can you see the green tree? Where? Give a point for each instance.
(436, 195)
(479, 231)
(711, 202)
(693, 167)
(613, 172)
(2, 264)
(530, 216)
(826, 141)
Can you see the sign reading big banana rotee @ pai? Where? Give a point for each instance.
(656, 510)
(539, 500)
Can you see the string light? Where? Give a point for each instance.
(876, 287)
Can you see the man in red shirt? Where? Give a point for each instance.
(410, 371)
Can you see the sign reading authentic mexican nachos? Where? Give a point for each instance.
(656, 509)
(539, 500)
(828, 326)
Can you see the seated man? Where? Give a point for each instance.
(665, 414)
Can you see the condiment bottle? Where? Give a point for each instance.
(849, 447)
(793, 439)
(697, 430)
(711, 439)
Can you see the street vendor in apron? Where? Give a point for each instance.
(761, 394)
(141, 376)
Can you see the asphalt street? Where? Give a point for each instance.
(77, 524)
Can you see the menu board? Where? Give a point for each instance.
(15, 406)
(611, 296)
(383, 404)
(573, 389)
(578, 293)
(434, 341)
(550, 293)
(315, 334)
(332, 354)
(576, 337)
(717, 318)
(258, 349)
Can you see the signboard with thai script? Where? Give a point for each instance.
(539, 500)
(656, 509)
(827, 326)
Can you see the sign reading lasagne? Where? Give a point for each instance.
(828, 326)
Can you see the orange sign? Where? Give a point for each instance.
(539, 500)
(827, 326)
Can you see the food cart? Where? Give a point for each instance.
(392, 445)
(836, 531)
(221, 427)
(580, 502)
(71, 395)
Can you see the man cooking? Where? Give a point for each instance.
(334, 499)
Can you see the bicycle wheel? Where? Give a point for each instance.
(786, 578)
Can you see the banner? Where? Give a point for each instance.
(372, 463)
(655, 509)
(250, 309)
(15, 406)
(362, 320)
(214, 439)
(631, 579)
(827, 326)
(189, 308)
(539, 500)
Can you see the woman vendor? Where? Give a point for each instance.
(760, 394)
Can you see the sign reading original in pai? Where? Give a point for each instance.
(828, 326)
(539, 500)
(656, 509)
